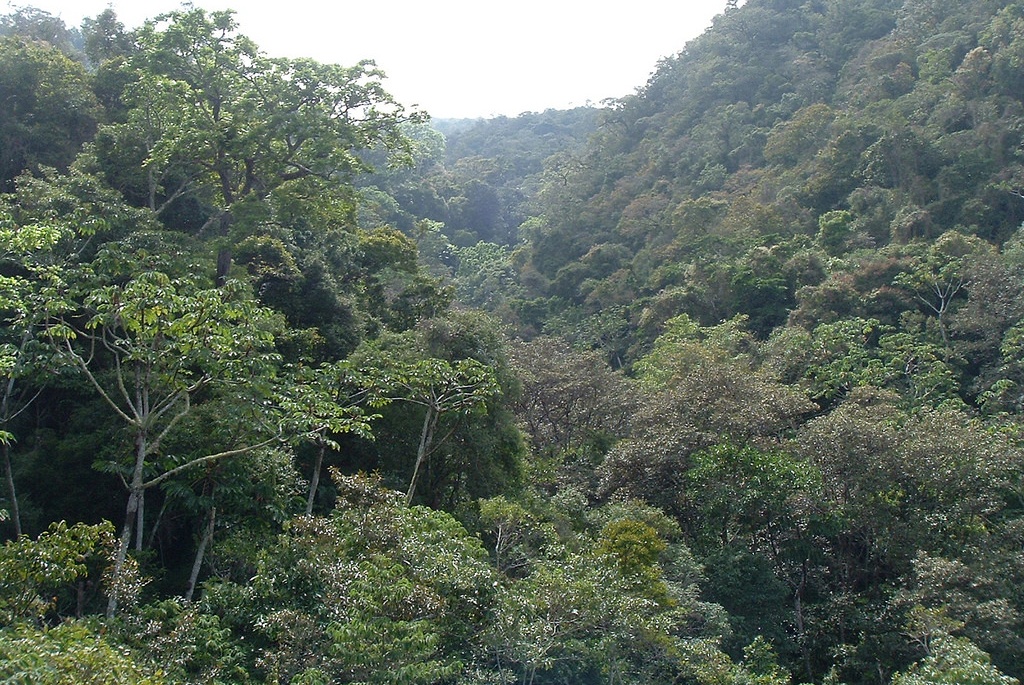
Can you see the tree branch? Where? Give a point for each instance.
(155, 445)
(99, 388)
(203, 460)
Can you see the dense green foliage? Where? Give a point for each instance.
(719, 384)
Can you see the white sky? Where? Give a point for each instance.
(458, 58)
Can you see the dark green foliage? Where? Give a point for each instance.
(48, 110)
(765, 428)
(755, 116)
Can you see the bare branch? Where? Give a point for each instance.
(203, 460)
(155, 445)
(83, 364)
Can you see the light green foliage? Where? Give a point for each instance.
(89, 213)
(378, 652)
(224, 120)
(634, 548)
(443, 388)
(923, 373)
(387, 248)
(1005, 393)
(954, 661)
(185, 337)
(190, 644)
(450, 382)
(685, 344)
(168, 342)
(744, 491)
(377, 593)
(28, 249)
(605, 612)
(457, 386)
(676, 350)
(842, 351)
(30, 292)
(797, 244)
(566, 611)
(484, 276)
(834, 231)
(72, 653)
(839, 356)
(760, 665)
(396, 291)
(34, 573)
(518, 534)
(323, 403)
(611, 599)
(941, 274)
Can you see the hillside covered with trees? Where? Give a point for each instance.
(718, 384)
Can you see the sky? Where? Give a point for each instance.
(458, 58)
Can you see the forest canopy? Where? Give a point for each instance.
(719, 383)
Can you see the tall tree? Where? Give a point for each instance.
(30, 269)
(149, 347)
(440, 388)
(214, 119)
(323, 403)
(941, 275)
(47, 110)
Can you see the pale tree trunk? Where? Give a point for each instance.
(6, 415)
(156, 524)
(135, 492)
(314, 480)
(122, 551)
(140, 520)
(426, 438)
(197, 565)
(944, 293)
(12, 494)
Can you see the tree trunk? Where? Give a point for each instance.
(5, 413)
(131, 510)
(224, 258)
(140, 519)
(224, 254)
(135, 491)
(314, 481)
(200, 553)
(426, 438)
(12, 495)
(798, 611)
(156, 524)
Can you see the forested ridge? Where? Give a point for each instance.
(718, 383)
